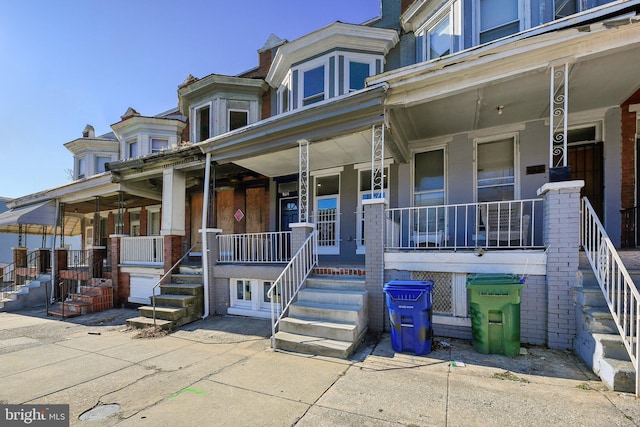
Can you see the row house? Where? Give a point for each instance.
(435, 141)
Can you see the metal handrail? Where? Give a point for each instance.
(10, 273)
(164, 276)
(620, 293)
(291, 280)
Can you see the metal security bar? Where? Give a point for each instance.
(615, 282)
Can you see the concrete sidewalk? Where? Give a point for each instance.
(220, 371)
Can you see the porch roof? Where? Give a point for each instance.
(508, 81)
(36, 219)
(337, 125)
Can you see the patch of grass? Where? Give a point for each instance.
(584, 386)
(510, 376)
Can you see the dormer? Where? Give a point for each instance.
(330, 62)
(217, 104)
(142, 136)
(91, 153)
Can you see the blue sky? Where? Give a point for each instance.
(68, 63)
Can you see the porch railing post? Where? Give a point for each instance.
(374, 225)
(562, 241)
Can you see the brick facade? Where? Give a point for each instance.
(562, 239)
(374, 262)
(628, 165)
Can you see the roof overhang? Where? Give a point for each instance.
(338, 125)
(463, 92)
(39, 218)
(335, 36)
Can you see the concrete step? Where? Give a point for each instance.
(331, 282)
(183, 278)
(313, 345)
(174, 300)
(335, 296)
(182, 289)
(598, 320)
(165, 313)
(618, 375)
(144, 322)
(332, 312)
(612, 346)
(320, 328)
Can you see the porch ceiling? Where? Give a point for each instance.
(461, 99)
(340, 151)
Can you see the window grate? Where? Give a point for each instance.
(441, 294)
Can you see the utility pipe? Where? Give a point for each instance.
(203, 230)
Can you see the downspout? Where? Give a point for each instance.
(205, 223)
(54, 269)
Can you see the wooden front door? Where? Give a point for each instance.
(196, 220)
(586, 164)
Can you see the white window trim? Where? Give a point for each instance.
(150, 211)
(453, 9)
(128, 144)
(256, 307)
(158, 138)
(523, 17)
(323, 61)
(445, 155)
(286, 85)
(334, 249)
(360, 58)
(194, 121)
(360, 248)
(516, 161)
(80, 161)
(237, 110)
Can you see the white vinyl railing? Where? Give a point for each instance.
(272, 247)
(514, 224)
(615, 282)
(285, 289)
(142, 250)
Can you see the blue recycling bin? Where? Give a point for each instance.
(409, 304)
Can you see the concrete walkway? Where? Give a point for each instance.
(221, 372)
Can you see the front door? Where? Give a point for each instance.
(586, 164)
(288, 212)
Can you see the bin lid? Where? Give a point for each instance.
(483, 279)
(409, 284)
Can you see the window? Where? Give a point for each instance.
(202, 123)
(238, 119)
(495, 170)
(498, 18)
(101, 163)
(133, 149)
(158, 145)
(243, 292)
(283, 97)
(82, 168)
(327, 213)
(564, 8)
(440, 38)
(153, 223)
(429, 178)
(313, 86)
(134, 224)
(358, 72)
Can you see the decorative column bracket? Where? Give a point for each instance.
(558, 111)
(377, 161)
(303, 180)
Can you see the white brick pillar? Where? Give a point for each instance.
(299, 233)
(374, 220)
(562, 240)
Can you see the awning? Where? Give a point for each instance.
(37, 219)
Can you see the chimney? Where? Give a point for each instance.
(88, 132)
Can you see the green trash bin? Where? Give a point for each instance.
(495, 313)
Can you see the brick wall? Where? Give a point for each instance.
(562, 238)
(533, 311)
(374, 264)
(628, 166)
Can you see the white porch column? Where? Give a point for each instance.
(303, 181)
(173, 202)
